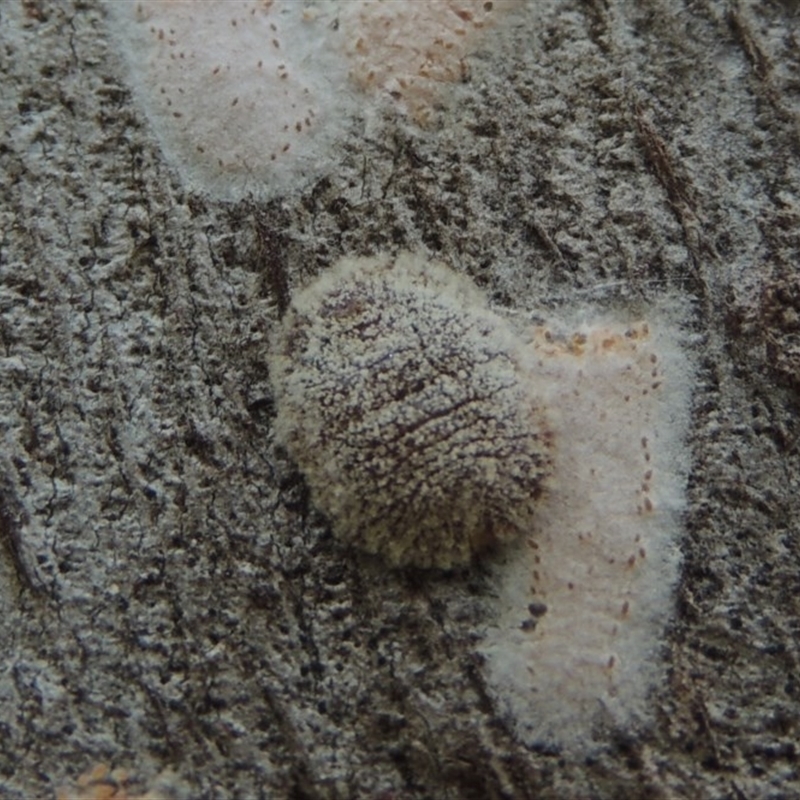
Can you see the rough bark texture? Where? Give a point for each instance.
(167, 595)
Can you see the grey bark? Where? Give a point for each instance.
(168, 598)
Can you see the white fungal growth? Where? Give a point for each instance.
(582, 603)
(251, 95)
(244, 95)
(404, 400)
(427, 427)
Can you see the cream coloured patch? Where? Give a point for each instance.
(243, 95)
(582, 603)
(251, 95)
(408, 51)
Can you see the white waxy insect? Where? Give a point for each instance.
(405, 401)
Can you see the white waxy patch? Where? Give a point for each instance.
(231, 91)
(249, 96)
(403, 399)
(409, 50)
(582, 603)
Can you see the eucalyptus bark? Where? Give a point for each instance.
(168, 596)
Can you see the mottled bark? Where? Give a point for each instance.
(168, 598)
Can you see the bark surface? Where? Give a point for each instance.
(168, 597)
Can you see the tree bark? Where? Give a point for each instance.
(168, 596)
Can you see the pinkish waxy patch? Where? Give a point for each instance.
(582, 603)
(251, 96)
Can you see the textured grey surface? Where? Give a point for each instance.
(167, 595)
